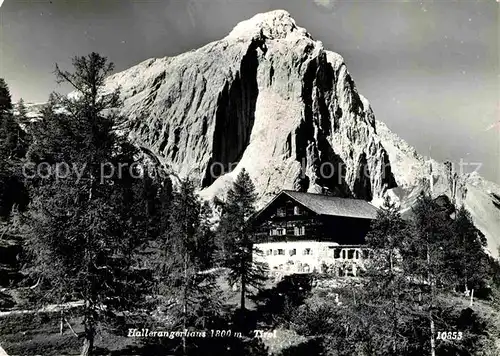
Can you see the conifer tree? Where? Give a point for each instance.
(84, 235)
(189, 291)
(386, 288)
(13, 146)
(466, 253)
(22, 112)
(425, 258)
(237, 233)
(5, 98)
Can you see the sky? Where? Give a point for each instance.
(430, 69)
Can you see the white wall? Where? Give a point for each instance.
(321, 253)
(274, 261)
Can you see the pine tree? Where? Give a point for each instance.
(190, 292)
(11, 134)
(432, 259)
(237, 233)
(425, 257)
(13, 146)
(386, 290)
(22, 112)
(206, 249)
(84, 235)
(466, 253)
(5, 98)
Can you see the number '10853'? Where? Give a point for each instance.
(449, 335)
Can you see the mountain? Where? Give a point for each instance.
(272, 100)
(413, 174)
(268, 98)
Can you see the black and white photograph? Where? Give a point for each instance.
(250, 177)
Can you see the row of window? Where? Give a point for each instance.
(337, 253)
(349, 254)
(292, 252)
(282, 212)
(297, 231)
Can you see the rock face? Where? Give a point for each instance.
(272, 100)
(414, 174)
(267, 98)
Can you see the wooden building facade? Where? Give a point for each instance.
(303, 232)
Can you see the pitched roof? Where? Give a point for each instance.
(334, 206)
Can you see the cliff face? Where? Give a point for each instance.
(270, 99)
(267, 98)
(414, 174)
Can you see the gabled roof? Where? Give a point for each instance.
(329, 205)
(334, 206)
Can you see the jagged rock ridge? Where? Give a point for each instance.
(272, 100)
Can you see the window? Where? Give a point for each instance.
(357, 255)
(281, 231)
(297, 210)
(299, 231)
(272, 232)
(336, 253)
(275, 252)
(292, 252)
(343, 254)
(281, 251)
(281, 212)
(306, 267)
(269, 252)
(350, 254)
(281, 268)
(365, 254)
(307, 251)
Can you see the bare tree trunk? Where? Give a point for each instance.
(433, 341)
(243, 280)
(242, 293)
(70, 327)
(61, 325)
(184, 306)
(88, 346)
(88, 342)
(89, 330)
(431, 318)
(394, 312)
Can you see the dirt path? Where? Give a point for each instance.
(2, 351)
(48, 309)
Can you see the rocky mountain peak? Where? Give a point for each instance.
(277, 24)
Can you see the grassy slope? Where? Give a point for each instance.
(38, 334)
